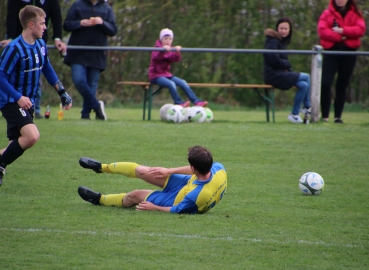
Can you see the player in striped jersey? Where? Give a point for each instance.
(190, 189)
(21, 64)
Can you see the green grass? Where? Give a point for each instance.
(263, 222)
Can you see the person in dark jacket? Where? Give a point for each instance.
(278, 70)
(159, 70)
(91, 22)
(14, 29)
(340, 28)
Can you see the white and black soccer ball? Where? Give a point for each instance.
(209, 115)
(176, 114)
(196, 114)
(163, 111)
(311, 183)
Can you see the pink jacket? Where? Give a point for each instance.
(160, 62)
(353, 28)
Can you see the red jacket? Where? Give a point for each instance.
(160, 62)
(353, 28)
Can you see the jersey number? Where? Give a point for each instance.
(22, 112)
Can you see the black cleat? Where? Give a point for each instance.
(91, 164)
(89, 195)
(2, 172)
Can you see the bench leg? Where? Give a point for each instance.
(267, 105)
(150, 103)
(144, 104)
(272, 102)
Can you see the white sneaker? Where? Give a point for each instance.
(306, 111)
(295, 118)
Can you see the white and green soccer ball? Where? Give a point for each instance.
(196, 114)
(209, 115)
(163, 111)
(311, 183)
(176, 114)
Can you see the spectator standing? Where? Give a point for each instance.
(90, 23)
(14, 29)
(340, 28)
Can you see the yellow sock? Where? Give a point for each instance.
(124, 168)
(112, 199)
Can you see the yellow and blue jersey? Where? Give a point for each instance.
(186, 194)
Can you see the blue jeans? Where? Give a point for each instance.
(171, 83)
(303, 93)
(86, 79)
(38, 98)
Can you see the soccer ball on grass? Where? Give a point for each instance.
(311, 183)
(196, 114)
(176, 114)
(163, 111)
(209, 114)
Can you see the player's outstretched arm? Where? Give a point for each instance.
(149, 206)
(160, 172)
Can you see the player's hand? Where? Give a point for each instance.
(178, 48)
(25, 103)
(66, 100)
(144, 206)
(167, 48)
(159, 172)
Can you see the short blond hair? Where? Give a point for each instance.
(30, 13)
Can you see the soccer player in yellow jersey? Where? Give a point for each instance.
(190, 189)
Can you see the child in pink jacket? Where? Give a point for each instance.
(159, 70)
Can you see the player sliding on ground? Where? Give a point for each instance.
(190, 189)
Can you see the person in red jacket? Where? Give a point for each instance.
(159, 70)
(340, 28)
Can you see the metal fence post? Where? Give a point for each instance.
(316, 79)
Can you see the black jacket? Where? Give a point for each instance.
(51, 8)
(277, 68)
(89, 36)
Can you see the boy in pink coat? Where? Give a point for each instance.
(159, 70)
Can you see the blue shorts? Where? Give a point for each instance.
(173, 185)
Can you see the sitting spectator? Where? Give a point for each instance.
(278, 70)
(159, 70)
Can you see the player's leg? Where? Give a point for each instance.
(135, 197)
(21, 132)
(29, 136)
(128, 169)
(121, 200)
(16, 148)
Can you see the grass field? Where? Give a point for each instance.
(263, 222)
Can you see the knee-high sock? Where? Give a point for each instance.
(12, 152)
(124, 168)
(112, 199)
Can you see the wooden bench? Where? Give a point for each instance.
(150, 90)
